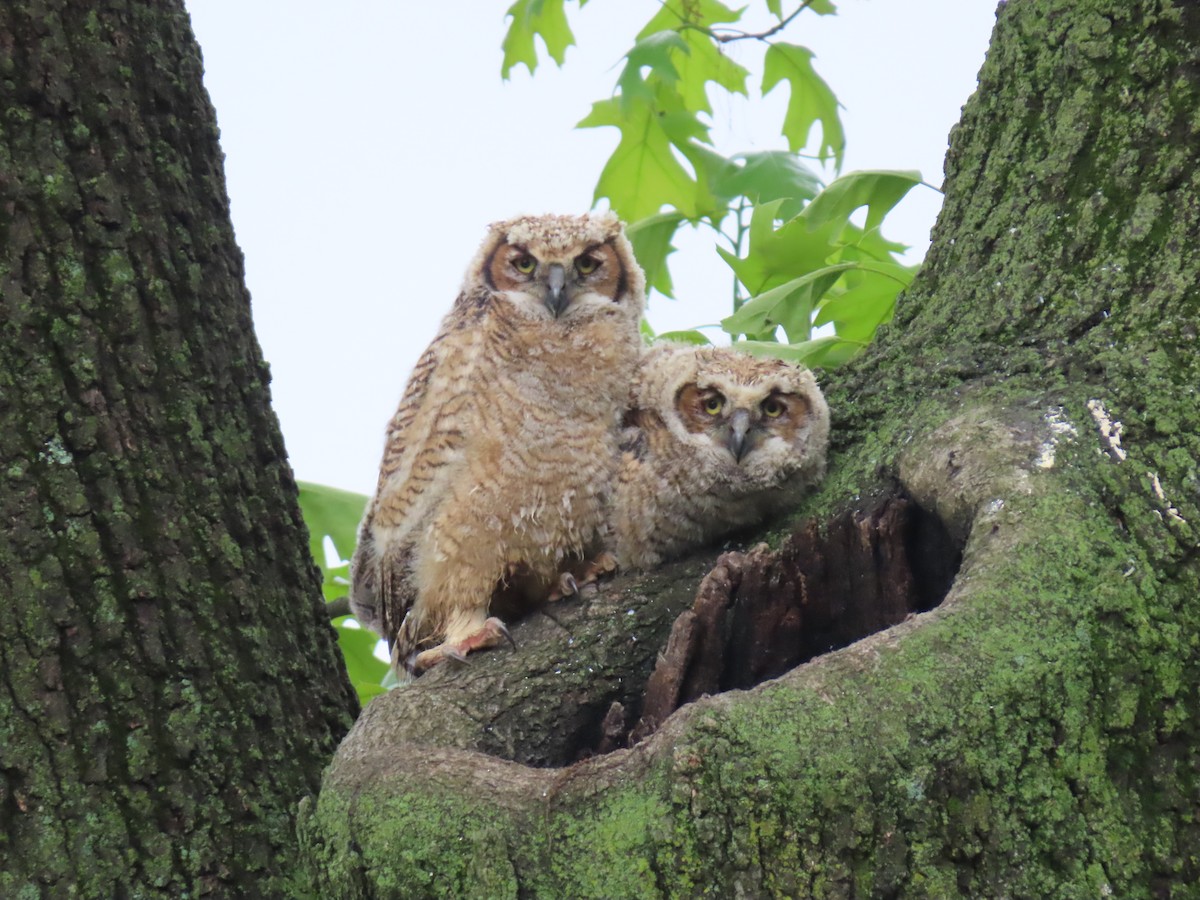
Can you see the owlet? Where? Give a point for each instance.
(496, 461)
(716, 440)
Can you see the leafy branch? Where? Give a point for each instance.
(800, 264)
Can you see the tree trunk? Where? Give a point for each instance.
(170, 688)
(1034, 735)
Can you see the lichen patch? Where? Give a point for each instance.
(1110, 430)
(1060, 428)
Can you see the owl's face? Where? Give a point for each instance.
(743, 420)
(563, 267)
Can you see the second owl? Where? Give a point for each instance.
(716, 440)
(505, 439)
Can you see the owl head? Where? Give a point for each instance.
(751, 422)
(561, 268)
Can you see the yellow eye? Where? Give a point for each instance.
(525, 264)
(772, 408)
(587, 265)
(713, 405)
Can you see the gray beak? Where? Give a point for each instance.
(556, 298)
(739, 424)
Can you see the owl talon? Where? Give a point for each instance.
(503, 629)
(603, 566)
(566, 587)
(491, 633)
(606, 563)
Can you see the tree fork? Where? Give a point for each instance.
(1035, 734)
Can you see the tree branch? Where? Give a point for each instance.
(544, 703)
(730, 35)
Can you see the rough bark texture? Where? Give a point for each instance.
(170, 687)
(1035, 735)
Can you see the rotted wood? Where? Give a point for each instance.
(760, 614)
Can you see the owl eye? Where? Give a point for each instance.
(587, 265)
(525, 264)
(772, 408)
(714, 404)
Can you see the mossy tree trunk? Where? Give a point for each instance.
(1035, 735)
(170, 689)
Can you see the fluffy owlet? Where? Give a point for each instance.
(715, 440)
(496, 462)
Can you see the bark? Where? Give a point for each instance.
(1033, 735)
(170, 685)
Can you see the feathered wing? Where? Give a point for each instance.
(421, 447)
(365, 565)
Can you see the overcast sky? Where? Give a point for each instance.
(369, 143)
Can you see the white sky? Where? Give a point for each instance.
(368, 143)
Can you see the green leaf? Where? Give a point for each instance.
(711, 168)
(830, 351)
(867, 300)
(858, 313)
(698, 59)
(777, 255)
(535, 17)
(674, 14)
(651, 240)
(660, 92)
(858, 244)
(691, 336)
(706, 62)
(811, 101)
(879, 191)
(366, 671)
(820, 7)
(790, 305)
(656, 52)
(328, 511)
(770, 175)
(642, 174)
(822, 233)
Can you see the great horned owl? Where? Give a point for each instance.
(715, 440)
(496, 461)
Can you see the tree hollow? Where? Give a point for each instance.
(760, 614)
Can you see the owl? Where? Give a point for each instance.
(496, 463)
(715, 440)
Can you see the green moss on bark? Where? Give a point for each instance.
(984, 748)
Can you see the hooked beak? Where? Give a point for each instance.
(739, 424)
(556, 298)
